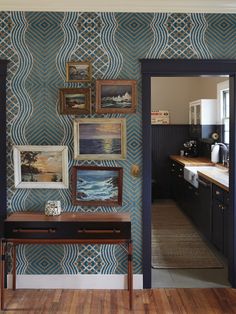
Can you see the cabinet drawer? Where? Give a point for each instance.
(177, 169)
(68, 230)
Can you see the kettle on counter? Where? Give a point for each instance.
(215, 149)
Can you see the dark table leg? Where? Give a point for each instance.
(14, 267)
(3, 248)
(130, 274)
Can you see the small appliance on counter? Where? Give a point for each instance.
(190, 148)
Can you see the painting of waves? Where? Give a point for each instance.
(97, 185)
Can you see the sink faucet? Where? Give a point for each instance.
(225, 154)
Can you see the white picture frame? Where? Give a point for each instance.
(40, 167)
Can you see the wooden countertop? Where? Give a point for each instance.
(192, 161)
(68, 216)
(216, 176)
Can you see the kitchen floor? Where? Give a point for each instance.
(191, 278)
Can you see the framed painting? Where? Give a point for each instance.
(78, 71)
(75, 101)
(97, 186)
(41, 167)
(100, 139)
(116, 96)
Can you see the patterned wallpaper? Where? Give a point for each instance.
(38, 45)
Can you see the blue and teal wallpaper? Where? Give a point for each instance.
(38, 45)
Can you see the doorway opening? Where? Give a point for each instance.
(184, 253)
(183, 68)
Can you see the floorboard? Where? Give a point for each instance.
(153, 301)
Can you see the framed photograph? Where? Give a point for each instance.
(116, 96)
(41, 167)
(100, 139)
(78, 71)
(75, 100)
(97, 186)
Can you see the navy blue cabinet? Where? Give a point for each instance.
(220, 219)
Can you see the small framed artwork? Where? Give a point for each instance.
(75, 100)
(78, 71)
(100, 139)
(116, 96)
(41, 167)
(97, 186)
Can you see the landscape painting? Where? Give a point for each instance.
(75, 101)
(78, 71)
(41, 166)
(116, 96)
(95, 186)
(100, 139)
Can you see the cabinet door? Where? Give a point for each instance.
(198, 114)
(204, 214)
(218, 224)
(192, 114)
(226, 225)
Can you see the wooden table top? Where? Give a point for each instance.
(33, 216)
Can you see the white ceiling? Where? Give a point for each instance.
(189, 6)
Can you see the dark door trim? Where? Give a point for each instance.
(181, 67)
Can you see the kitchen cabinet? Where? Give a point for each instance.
(220, 219)
(202, 118)
(191, 201)
(177, 183)
(203, 216)
(202, 111)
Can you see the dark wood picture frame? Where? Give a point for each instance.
(75, 101)
(116, 96)
(78, 71)
(110, 179)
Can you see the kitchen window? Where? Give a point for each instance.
(223, 108)
(225, 104)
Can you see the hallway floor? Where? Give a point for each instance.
(190, 278)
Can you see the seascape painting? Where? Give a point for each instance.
(78, 71)
(116, 96)
(100, 139)
(97, 185)
(40, 166)
(113, 96)
(75, 100)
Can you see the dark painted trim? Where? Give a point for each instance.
(147, 187)
(3, 180)
(182, 67)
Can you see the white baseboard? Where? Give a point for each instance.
(74, 281)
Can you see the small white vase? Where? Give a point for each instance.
(53, 208)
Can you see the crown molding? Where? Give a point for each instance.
(184, 6)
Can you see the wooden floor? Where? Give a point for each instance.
(162, 301)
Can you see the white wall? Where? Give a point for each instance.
(175, 93)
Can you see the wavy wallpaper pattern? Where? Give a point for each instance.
(38, 44)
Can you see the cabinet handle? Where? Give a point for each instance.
(87, 231)
(217, 192)
(21, 230)
(180, 175)
(205, 184)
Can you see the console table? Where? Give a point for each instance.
(68, 228)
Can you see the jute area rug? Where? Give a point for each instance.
(176, 242)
